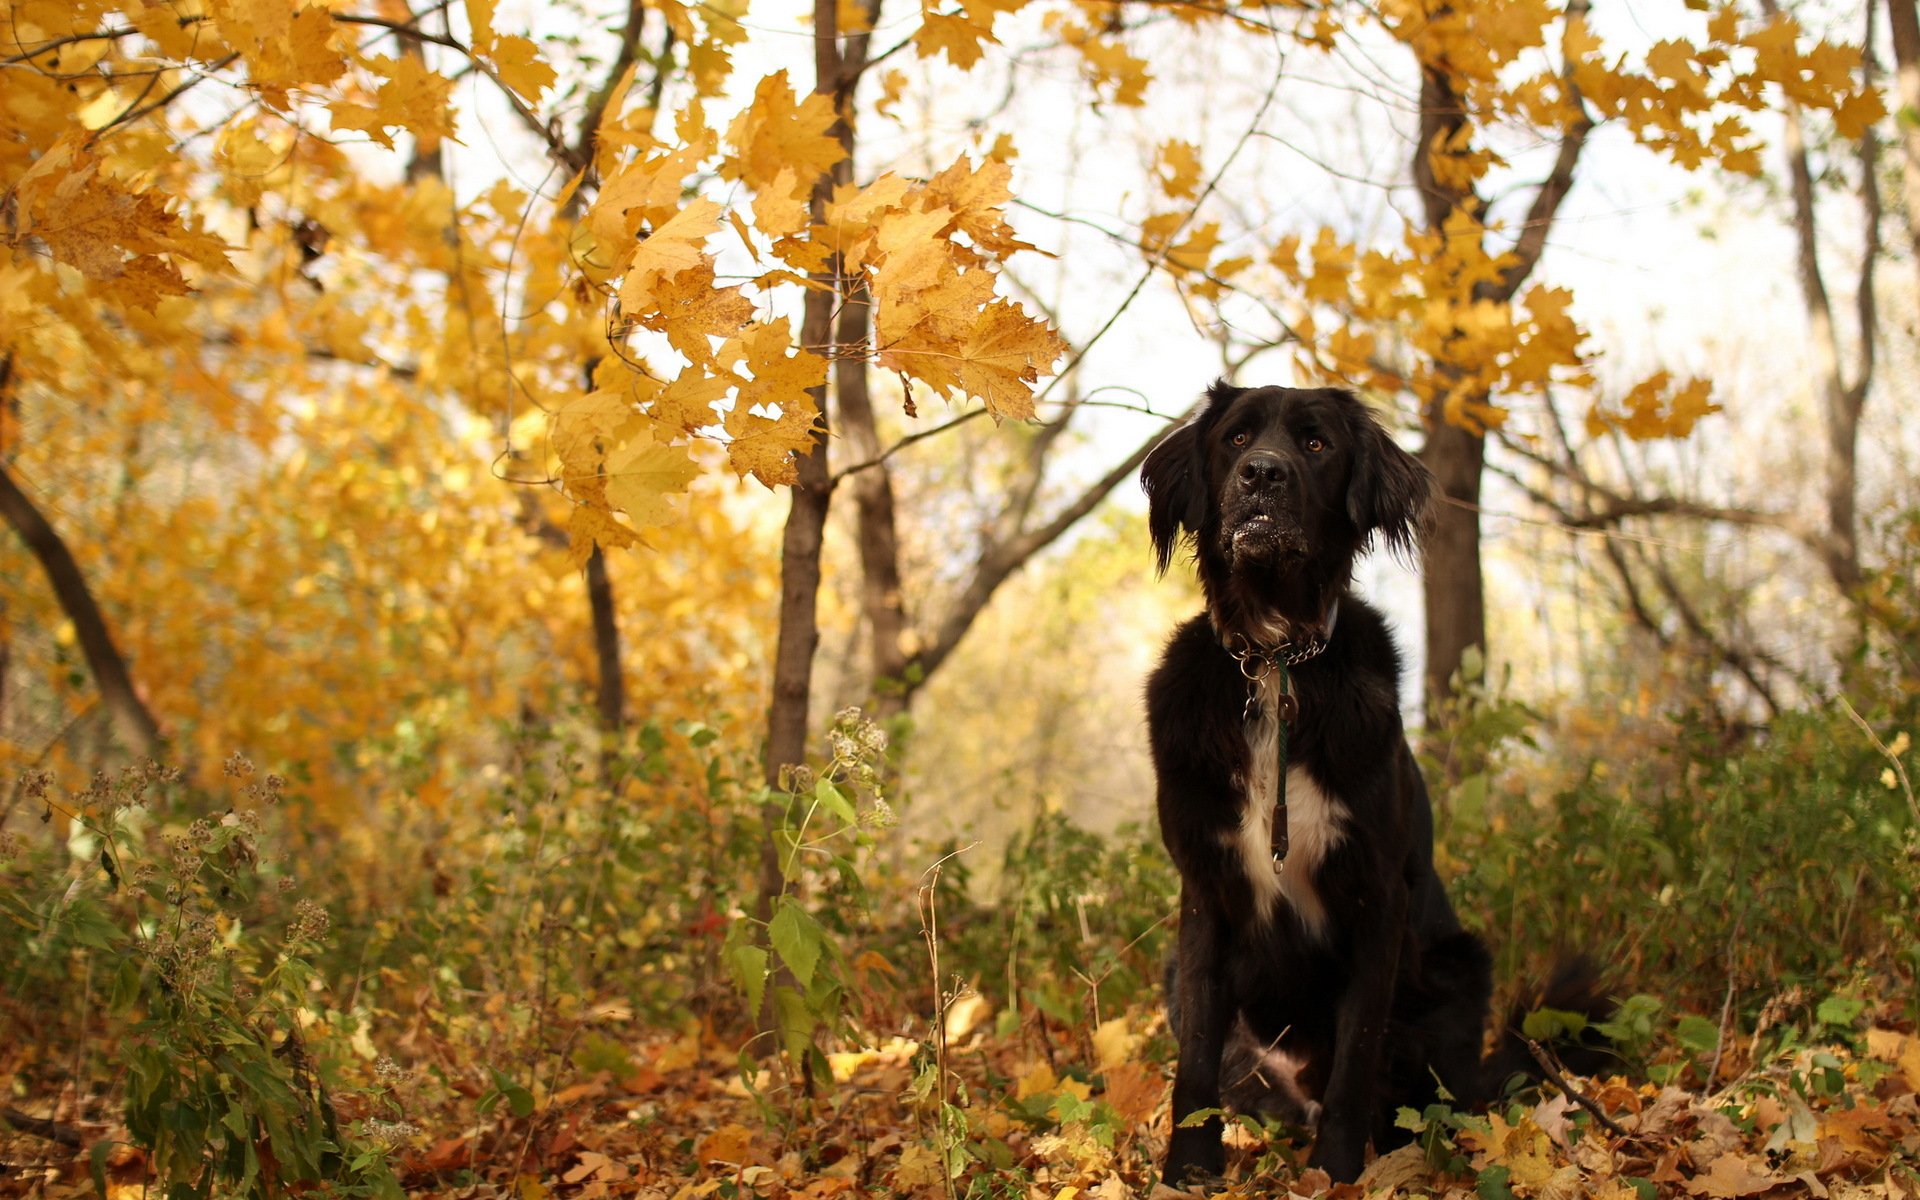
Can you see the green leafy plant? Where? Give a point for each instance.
(795, 965)
(207, 989)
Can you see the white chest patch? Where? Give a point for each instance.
(1316, 823)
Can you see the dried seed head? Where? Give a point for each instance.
(310, 922)
(237, 766)
(389, 1134)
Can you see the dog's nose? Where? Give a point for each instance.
(1262, 468)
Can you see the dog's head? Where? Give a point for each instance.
(1280, 490)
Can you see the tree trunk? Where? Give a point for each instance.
(1843, 399)
(789, 710)
(123, 703)
(882, 598)
(1454, 588)
(611, 698)
(1905, 26)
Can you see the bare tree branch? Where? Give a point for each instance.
(1000, 559)
(1552, 190)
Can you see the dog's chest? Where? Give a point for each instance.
(1316, 823)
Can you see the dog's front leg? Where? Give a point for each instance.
(1346, 1119)
(1206, 1012)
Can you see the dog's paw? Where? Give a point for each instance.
(1341, 1158)
(1193, 1181)
(1195, 1156)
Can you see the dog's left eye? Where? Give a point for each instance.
(1314, 445)
(1242, 438)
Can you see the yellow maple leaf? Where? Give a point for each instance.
(180, 41)
(893, 85)
(480, 22)
(686, 404)
(955, 35)
(644, 192)
(1037, 1080)
(851, 214)
(780, 208)
(581, 422)
(918, 330)
(283, 47)
(913, 255)
(412, 98)
(1110, 67)
(976, 196)
(691, 307)
(1857, 113)
(1005, 356)
(641, 476)
(1114, 1042)
(115, 236)
(1177, 167)
(673, 247)
(774, 415)
(587, 527)
(518, 63)
(775, 134)
(918, 1169)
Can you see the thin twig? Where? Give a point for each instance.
(1558, 1080)
(1886, 752)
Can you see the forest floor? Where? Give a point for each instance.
(677, 1121)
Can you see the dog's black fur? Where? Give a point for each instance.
(1357, 969)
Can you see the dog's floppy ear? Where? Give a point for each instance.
(1391, 491)
(1171, 478)
(1174, 476)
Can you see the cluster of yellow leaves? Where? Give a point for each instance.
(1426, 315)
(128, 244)
(1415, 318)
(921, 253)
(260, 385)
(1656, 407)
(1686, 98)
(963, 33)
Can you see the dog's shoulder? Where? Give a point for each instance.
(1194, 699)
(1363, 641)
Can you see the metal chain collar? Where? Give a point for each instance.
(1257, 664)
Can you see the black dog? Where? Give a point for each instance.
(1310, 914)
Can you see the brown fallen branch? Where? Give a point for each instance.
(53, 1131)
(1558, 1080)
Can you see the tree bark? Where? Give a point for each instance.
(130, 714)
(882, 598)
(1843, 400)
(611, 696)
(789, 708)
(1904, 23)
(1454, 588)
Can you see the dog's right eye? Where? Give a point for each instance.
(1241, 438)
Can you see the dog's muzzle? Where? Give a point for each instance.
(1261, 537)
